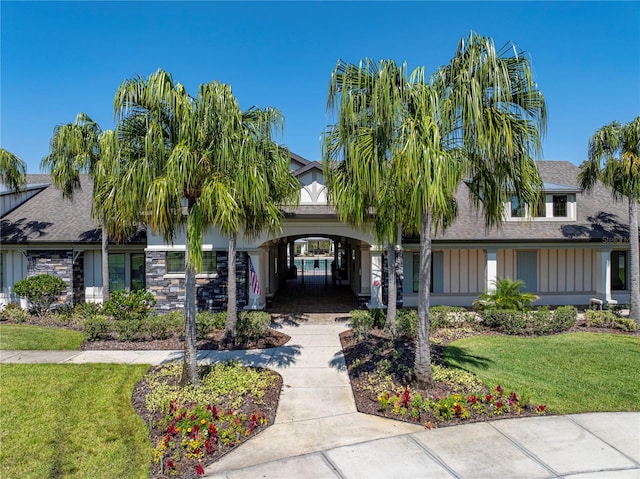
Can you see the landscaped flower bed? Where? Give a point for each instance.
(192, 427)
(381, 375)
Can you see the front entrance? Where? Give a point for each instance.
(313, 294)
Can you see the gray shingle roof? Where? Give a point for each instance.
(48, 218)
(598, 215)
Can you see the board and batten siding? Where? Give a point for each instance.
(559, 269)
(464, 271)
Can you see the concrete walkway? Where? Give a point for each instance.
(318, 433)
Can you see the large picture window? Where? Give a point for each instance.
(175, 262)
(116, 272)
(618, 270)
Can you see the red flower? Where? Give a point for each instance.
(406, 397)
(199, 470)
(472, 399)
(499, 404)
(170, 464)
(209, 445)
(513, 397)
(499, 390)
(489, 397)
(540, 409)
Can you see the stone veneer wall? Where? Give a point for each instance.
(54, 262)
(211, 293)
(78, 280)
(399, 279)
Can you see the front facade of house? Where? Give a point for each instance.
(568, 249)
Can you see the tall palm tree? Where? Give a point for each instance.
(261, 183)
(77, 148)
(477, 119)
(359, 150)
(614, 159)
(176, 148)
(13, 170)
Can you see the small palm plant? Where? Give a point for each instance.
(507, 295)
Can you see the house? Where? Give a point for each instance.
(570, 248)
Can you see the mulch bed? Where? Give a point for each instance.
(215, 341)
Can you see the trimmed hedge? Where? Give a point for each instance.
(531, 323)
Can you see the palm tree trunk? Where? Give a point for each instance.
(190, 365)
(392, 291)
(634, 260)
(423, 353)
(232, 313)
(105, 264)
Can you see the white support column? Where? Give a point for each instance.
(491, 273)
(365, 269)
(603, 274)
(376, 279)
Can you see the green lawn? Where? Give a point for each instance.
(24, 336)
(570, 373)
(72, 421)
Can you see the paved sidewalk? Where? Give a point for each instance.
(318, 432)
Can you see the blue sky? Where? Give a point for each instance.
(60, 58)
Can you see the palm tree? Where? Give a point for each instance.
(477, 119)
(13, 170)
(359, 150)
(261, 182)
(77, 148)
(614, 159)
(175, 149)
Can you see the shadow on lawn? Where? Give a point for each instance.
(463, 359)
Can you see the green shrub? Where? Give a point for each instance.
(361, 322)
(407, 323)
(542, 321)
(252, 325)
(127, 329)
(626, 324)
(507, 321)
(88, 310)
(41, 291)
(564, 318)
(608, 319)
(379, 318)
(204, 324)
(130, 305)
(157, 327)
(96, 328)
(443, 316)
(15, 313)
(507, 295)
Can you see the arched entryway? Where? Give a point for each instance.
(314, 272)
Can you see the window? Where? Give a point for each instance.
(618, 270)
(517, 208)
(116, 272)
(437, 272)
(137, 272)
(559, 206)
(175, 262)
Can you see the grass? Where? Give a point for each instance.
(24, 337)
(570, 373)
(72, 421)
